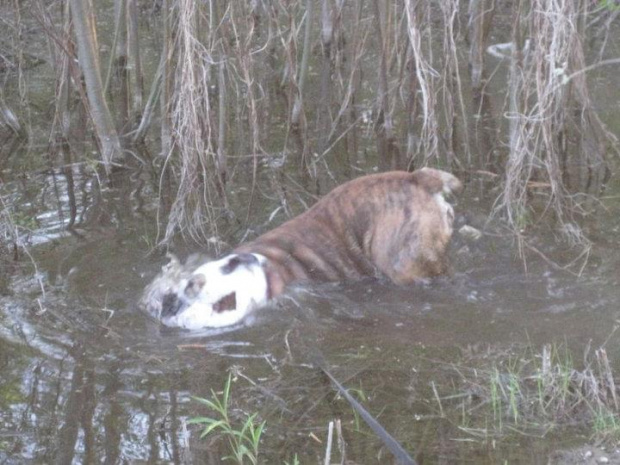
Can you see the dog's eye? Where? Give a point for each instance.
(195, 285)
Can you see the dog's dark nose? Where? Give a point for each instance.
(170, 305)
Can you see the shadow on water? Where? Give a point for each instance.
(87, 378)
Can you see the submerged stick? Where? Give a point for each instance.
(401, 455)
(330, 437)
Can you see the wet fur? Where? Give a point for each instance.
(395, 224)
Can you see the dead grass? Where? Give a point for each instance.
(534, 393)
(557, 145)
(255, 81)
(554, 134)
(192, 157)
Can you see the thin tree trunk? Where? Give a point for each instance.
(297, 116)
(222, 165)
(303, 69)
(480, 14)
(133, 49)
(166, 130)
(89, 62)
(418, 28)
(154, 96)
(384, 127)
(119, 45)
(64, 77)
(298, 120)
(323, 114)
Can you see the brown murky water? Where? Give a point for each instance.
(85, 377)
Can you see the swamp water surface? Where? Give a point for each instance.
(85, 377)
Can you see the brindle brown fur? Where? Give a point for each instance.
(384, 224)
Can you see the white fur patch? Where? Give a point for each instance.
(447, 212)
(247, 281)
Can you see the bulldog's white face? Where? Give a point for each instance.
(219, 293)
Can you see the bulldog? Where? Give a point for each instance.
(396, 225)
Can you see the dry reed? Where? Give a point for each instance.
(350, 76)
(192, 212)
(547, 112)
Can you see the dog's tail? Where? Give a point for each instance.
(436, 181)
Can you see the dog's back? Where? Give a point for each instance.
(396, 224)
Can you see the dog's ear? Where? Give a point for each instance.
(238, 259)
(427, 179)
(435, 181)
(195, 285)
